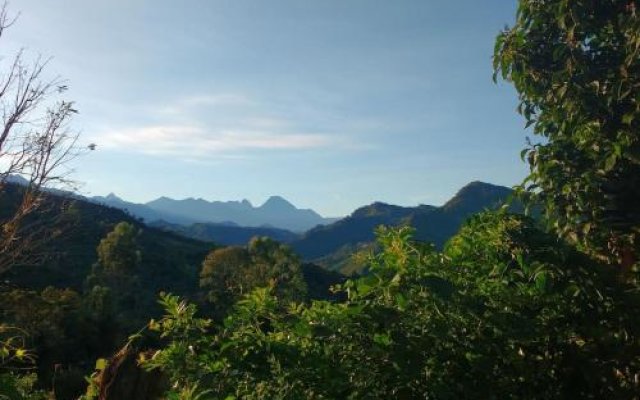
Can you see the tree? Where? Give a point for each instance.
(576, 67)
(277, 264)
(118, 252)
(116, 270)
(35, 148)
(222, 276)
(231, 272)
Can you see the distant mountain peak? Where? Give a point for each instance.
(277, 202)
(17, 179)
(479, 187)
(276, 212)
(112, 197)
(474, 185)
(477, 195)
(332, 245)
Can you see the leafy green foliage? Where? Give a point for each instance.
(114, 283)
(59, 332)
(576, 67)
(118, 252)
(19, 387)
(506, 311)
(67, 323)
(229, 273)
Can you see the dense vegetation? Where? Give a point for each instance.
(69, 307)
(97, 281)
(505, 311)
(509, 307)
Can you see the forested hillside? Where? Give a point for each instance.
(66, 258)
(226, 234)
(333, 245)
(96, 279)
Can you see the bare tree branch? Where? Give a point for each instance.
(36, 146)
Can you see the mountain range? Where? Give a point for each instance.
(325, 241)
(332, 245)
(226, 234)
(276, 212)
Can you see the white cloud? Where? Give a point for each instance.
(230, 126)
(192, 142)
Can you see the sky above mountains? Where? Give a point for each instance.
(332, 104)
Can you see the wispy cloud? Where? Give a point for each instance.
(192, 142)
(231, 126)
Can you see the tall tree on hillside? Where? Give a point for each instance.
(118, 252)
(222, 276)
(116, 269)
(576, 67)
(35, 146)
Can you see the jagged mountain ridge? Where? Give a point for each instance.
(148, 214)
(276, 212)
(433, 224)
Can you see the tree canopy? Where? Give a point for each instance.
(118, 252)
(231, 272)
(576, 67)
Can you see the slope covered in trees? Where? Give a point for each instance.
(332, 244)
(98, 279)
(66, 258)
(226, 234)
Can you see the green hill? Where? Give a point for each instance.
(332, 245)
(169, 261)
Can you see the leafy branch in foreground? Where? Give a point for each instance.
(576, 67)
(15, 361)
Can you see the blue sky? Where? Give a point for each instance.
(332, 104)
